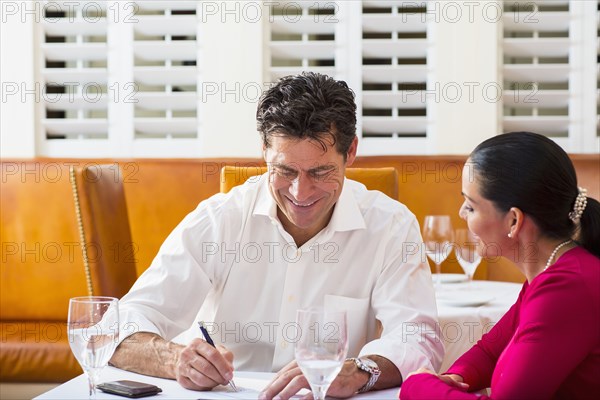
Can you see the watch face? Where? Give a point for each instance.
(369, 363)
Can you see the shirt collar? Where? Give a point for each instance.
(347, 215)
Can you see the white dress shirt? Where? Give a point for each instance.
(231, 263)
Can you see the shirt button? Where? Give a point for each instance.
(284, 344)
(291, 298)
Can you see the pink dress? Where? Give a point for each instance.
(547, 346)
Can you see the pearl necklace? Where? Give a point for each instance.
(554, 253)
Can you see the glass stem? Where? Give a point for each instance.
(92, 375)
(92, 388)
(438, 274)
(319, 391)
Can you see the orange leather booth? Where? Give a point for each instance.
(42, 263)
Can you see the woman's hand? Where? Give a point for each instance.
(449, 379)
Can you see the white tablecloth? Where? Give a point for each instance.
(462, 326)
(249, 384)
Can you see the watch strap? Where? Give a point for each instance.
(373, 371)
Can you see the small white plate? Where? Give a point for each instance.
(450, 278)
(464, 298)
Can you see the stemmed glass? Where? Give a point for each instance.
(438, 236)
(466, 252)
(93, 330)
(322, 347)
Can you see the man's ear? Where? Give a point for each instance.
(351, 156)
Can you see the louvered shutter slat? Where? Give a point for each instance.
(550, 125)
(398, 73)
(375, 99)
(178, 101)
(158, 25)
(83, 76)
(165, 75)
(533, 99)
(383, 125)
(73, 51)
(524, 21)
(162, 126)
(405, 48)
(155, 50)
(536, 47)
(302, 25)
(386, 23)
(537, 73)
(76, 127)
(76, 102)
(73, 26)
(300, 50)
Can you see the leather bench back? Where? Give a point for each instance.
(41, 256)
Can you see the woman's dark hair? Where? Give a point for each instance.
(531, 172)
(309, 105)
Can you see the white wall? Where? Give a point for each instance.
(17, 114)
(232, 69)
(468, 103)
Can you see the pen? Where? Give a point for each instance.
(210, 341)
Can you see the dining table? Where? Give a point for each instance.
(466, 311)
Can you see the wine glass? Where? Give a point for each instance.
(322, 347)
(438, 236)
(93, 330)
(466, 252)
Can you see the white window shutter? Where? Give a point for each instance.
(394, 76)
(165, 51)
(73, 79)
(302, 37)
(378, 47)
(126, 76)
(547, 72)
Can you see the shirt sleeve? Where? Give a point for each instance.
(404, 302)
(167, 296)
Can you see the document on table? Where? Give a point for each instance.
(248, 388)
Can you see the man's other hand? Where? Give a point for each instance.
(290, 381)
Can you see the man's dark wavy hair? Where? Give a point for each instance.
(309, 106)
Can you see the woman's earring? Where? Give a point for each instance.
(510, 235)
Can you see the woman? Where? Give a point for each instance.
(521, 198)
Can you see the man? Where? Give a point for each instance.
(299, 236)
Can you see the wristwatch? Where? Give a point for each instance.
(370, 366)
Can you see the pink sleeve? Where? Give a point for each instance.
(558, 328)
(427, 386)
(477, 365)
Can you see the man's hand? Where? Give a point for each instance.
(202, 367)
(450, 379)
(290, 381)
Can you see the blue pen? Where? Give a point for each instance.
(210, 341)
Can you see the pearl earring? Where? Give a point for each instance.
(510, 235)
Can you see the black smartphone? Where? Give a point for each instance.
(129, 388)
